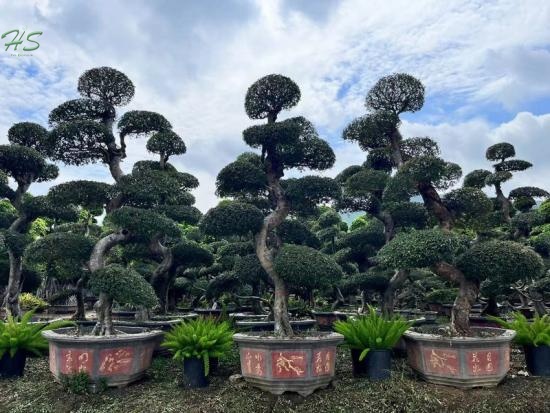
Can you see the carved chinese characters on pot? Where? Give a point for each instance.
(323, 362)
(482, 363)
(116, 361)
(289, 364)
(76, 361)
(440, 361)
(254, 363)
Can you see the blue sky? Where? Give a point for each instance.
(485, 65)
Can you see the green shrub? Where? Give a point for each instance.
(442, 296)
(301, 266)
(125, 285)
(22, 335)
(29, 301)
(533, 333)
(372, 331)
(201, 338)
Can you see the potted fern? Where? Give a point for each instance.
(198, 342)
(371, 339)
(534, 336)
(18, 338)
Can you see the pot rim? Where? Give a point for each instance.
(259, 322)
(505, 336)
(57, 335)
(260, 337)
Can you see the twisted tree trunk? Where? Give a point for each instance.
(104, 305)
(160, 279)
(266, 253)
(396, 281)
(466, 298)
(435, 205)
(504, 203)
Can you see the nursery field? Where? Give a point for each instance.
(161, 392)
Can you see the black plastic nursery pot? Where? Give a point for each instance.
(375, 366)
(538, 360)
(193, 373)
(13, 366)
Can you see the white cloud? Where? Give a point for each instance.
(192, 61)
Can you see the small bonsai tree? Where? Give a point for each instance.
(522, 198)
(263, 200)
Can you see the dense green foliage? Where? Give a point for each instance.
(201, 338)
(372, 331)
(528, 333)
(23, 335)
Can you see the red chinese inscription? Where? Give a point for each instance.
(289, 364)
(75, 361)
(253, 362)
(323, 362)
(483, 363)
(441, 361)
(116, 361)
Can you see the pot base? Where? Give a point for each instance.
(277, 365)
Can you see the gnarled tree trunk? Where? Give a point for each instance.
(388, 297)
(161, 279)
(467, 294)
(104, 305)
(435, 205)
(504, 203)
(266, 252)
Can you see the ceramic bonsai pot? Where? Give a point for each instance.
(208, 312)
(12, 366)
(297, 325)
(118, 360)
(463, 362)
(325, 319)
(247, 317)
(278, 364)
(538, 360)
(61, 309)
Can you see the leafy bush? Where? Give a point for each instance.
(305, 267)
(372, 332)
(29, 301)
(125, 285)
(201, 338)
(232, 218)
(507, 261)
(533, 333)
(442, 296)
(22, 335)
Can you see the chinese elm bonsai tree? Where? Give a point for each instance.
(283, 145)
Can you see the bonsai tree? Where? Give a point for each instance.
(63, 256)
(461, 261)
(378, 134)
(112, 281)
(291, 143)
(154, 191)
(522, 198)
(24, 160)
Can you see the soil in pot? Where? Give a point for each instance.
(376, 365)
(193, 373)
(13, 366)
(538, 360)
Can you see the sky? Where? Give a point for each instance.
(485, 65)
